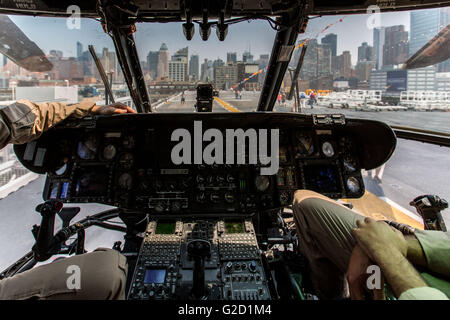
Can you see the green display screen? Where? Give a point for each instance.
(234, 227)
(165, 228)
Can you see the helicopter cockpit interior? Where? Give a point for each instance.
(203, 196)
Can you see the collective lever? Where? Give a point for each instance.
(199, 250)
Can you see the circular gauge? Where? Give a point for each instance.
(129, 142)
(349, 164)
(304, 143)
(126, 160)
(125, 181)
(262, 183)
(327, 149)
(87, 149)
(109, 152)
(353, 185)
(61, 170)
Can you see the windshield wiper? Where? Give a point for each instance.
(119, 25)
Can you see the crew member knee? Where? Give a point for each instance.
(111, 285)
(302, 194)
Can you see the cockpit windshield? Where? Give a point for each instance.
(350, 64)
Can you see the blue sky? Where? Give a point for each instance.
(52, 33)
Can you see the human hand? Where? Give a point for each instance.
(357, 276)
(114, 108)
(377, 238)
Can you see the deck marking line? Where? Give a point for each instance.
(226, 105)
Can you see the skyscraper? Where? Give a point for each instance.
(342, 65)
(331, 40)
(425, 24)
(178, 65)
(152, 63)
(365, 52)
(378, 43)
(181, 54)
(317, 61)
(163, 62)
(247, 57)
(231, 57)
(194, 65)
(395, 49)
(79, 49)
(204, 72)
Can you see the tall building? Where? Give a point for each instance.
(342, 65)
(247, 57)
(425, 24)
(179, 65)
(317, 61)
(378, 43)
(225, 76)
(218, 62)
(56, 53)
(395, 49)
(331, 40)
(363, 70)
(163, 62)
(204, 70)
(152, 63)
(365, 52)
(178, 70)
(231, 57)
(79, 49)
(181, 54)
(194, 65)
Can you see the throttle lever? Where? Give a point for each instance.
(429, 208)
(44, 239)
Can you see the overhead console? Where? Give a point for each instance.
(133, 161)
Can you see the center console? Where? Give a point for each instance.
(231, 267)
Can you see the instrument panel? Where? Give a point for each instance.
(130, 165)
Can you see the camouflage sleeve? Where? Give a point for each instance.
(25, 120)
(436, 246)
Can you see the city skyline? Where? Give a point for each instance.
(256, 35)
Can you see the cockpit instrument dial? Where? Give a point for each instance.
(327, 149)
(126, 160)
(349, 164)
(109, 152)
(125, 181)
(353, 185)
(304, 144)
(262, 183)
(87, 149)
(62, 170)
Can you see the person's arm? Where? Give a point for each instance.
(435, 250)
(25, 120)
(415, 253)
(398, 272)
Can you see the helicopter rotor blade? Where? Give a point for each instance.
(435, 51)
(20, 49)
